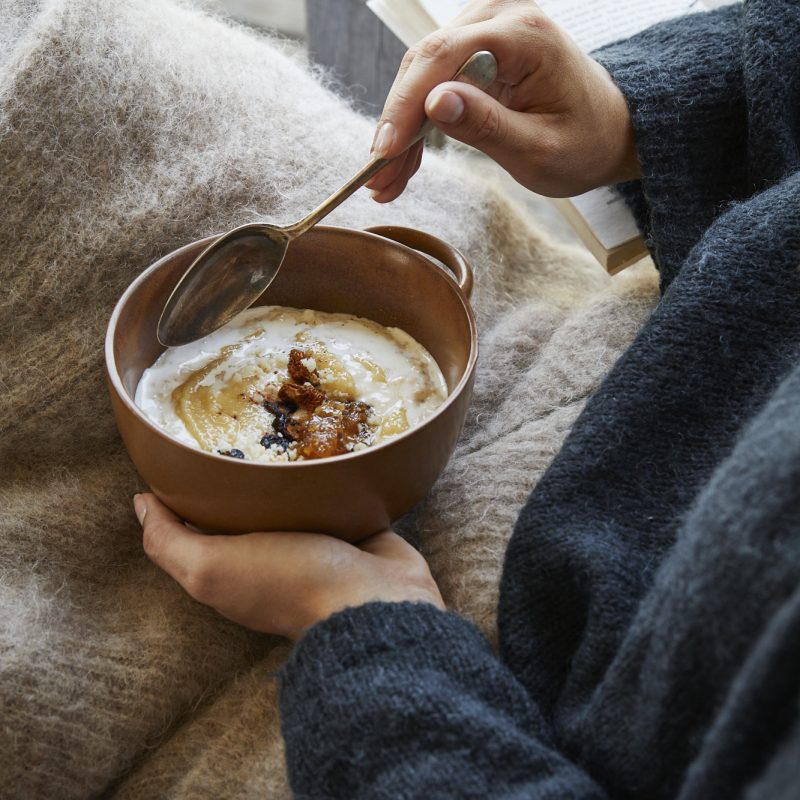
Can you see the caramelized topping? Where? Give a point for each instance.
(333, 428)
(301, 395)
(307, 419)
(298, 368)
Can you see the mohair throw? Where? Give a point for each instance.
(127, 129)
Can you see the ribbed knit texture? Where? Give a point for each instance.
(456, 725)
(650, 600)
(127, 129)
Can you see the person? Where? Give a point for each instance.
(649, 616)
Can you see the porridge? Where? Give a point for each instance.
(283, 384)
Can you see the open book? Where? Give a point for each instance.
(600, 217)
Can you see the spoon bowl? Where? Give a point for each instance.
(228, 276)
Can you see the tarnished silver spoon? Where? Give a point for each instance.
(234, 270)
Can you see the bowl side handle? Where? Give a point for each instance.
(426, 243)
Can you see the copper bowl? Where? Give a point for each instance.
(385, 274)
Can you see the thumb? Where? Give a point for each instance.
(470, 115)
(179, 551)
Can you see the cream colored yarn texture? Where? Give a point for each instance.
(127, 129)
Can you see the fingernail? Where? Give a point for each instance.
(384, 139)
(140, 507)
(446, 107)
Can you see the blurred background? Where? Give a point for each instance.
(287, 16)
(343, 35)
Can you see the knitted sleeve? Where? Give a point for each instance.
(406, 701)
(684, 84)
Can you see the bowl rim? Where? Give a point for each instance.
(114, 378)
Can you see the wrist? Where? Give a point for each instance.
(622, 162)
(409, 582)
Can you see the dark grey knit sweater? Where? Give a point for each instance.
(650, 604)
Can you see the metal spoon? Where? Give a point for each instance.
(233, 271)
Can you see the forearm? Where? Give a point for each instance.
(403, 700)
(684, 86)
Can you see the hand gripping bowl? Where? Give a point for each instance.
(379, 274)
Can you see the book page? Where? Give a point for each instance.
(408, 23)
(590, 24)
(606, 213)
(443, 12)
(603, 21)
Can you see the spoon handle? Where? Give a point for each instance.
(480, 70)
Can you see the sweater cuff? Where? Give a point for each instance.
(404, 700)
(419, 633)
(684, 86)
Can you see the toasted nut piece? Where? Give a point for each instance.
(302, 395)
(298, 371)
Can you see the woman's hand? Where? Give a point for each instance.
(555, 119)
(283, 583)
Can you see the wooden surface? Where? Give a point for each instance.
(363, 53)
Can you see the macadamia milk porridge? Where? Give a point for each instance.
(283, 384)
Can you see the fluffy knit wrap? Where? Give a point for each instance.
(127, 129)
(649, 611)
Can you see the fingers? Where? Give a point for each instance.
(519, 35)
(283, 583)
(279, 583)
(524, 41)
(387, 544)
(435, 59)
(473, 117)
(391, 181)
(398, 555)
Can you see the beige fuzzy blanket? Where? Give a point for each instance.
(128, 128)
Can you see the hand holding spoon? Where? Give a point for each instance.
(231, 273)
